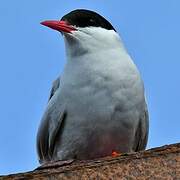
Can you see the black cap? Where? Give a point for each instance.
(87, 18)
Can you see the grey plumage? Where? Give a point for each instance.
(55, 86)
(99, 105)
(48, 131)
(142, 131)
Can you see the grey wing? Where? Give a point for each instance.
(141, 136)
(50, 126)
(55, 86)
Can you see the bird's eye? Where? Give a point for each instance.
(91, 20)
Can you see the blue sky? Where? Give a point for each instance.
(32, 56)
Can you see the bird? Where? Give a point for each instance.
(97, 106)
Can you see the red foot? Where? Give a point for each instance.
(115, 154)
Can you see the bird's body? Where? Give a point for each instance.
(97, 106)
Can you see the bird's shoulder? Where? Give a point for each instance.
(55, 86)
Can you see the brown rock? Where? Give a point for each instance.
(156, 163)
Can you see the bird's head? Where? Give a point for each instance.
(85, 31)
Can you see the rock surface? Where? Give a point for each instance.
(156, 163)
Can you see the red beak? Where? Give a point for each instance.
(61, 26)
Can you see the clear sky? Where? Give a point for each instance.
(32, 56)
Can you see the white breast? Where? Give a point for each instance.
(102, 93)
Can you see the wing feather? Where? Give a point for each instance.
(142, 131)
(50, 127)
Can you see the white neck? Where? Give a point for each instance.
(92, 40)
